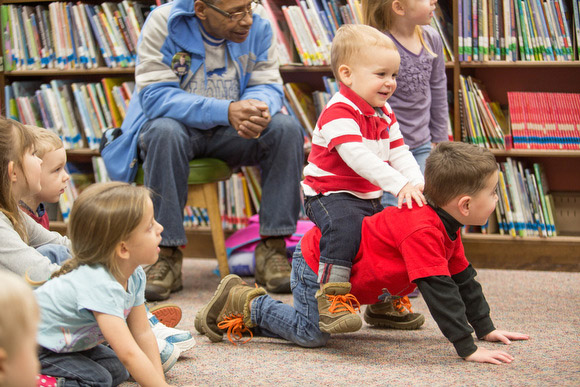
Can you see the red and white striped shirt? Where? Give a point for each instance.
(374, 159)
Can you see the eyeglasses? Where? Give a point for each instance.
(236, 16)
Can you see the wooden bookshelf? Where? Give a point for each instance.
(499, 77)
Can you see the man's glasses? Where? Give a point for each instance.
(236, 16)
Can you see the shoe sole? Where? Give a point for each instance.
(201, 317)
(185, 344)
(167, 314)
(347, 324)
(406, 326)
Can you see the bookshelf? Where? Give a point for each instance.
(561, 166)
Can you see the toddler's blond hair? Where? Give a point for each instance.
(45, 140)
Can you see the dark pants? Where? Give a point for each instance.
(339, 217)
(96, 367)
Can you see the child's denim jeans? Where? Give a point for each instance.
(298, 324)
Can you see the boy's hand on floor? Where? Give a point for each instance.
(483, 355)
(504, 336)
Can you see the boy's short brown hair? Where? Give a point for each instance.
(45, 140)
(351, 39)
(456, 168)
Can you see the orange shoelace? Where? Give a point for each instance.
(343, 303)
(400, 304)
(235, 327)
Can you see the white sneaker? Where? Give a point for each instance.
(181, 339)
(169, 354)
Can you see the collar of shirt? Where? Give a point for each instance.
(360, 103)
(450, 223)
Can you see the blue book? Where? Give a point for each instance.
(97, 31)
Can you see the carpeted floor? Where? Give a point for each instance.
(544, 305)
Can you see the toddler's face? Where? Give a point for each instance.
(22, 367)
(373, 75)
(483, 203)
(54, 178)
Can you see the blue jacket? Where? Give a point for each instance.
(173, 28)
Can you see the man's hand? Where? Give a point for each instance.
(483, 355)
(249, 117)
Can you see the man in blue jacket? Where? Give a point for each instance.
(208, 85)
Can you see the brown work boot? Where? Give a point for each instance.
(272, 267)
(393, 313)
(336, 312)
(234, 318)
(206, 318)
(164, 276)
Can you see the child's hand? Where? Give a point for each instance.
(504, 336)
(410, 192)
(483, 355)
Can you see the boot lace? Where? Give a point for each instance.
(159, 269)
(343, 303)
(234, 323)
(402, 303)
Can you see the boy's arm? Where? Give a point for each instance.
(121, 340)
(444, 301)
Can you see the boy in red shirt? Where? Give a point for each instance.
(400, 250)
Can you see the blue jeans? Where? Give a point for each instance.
(167, 146)
(420, 153)
(339, 217)
(56, 253)
(298, 324)
(96, 367)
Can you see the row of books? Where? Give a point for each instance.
(544, 120)
(532, 121)
(240, 197)
(510, 30)
(195, 217)
(78, 112)
(525, 207)
(307, 27)
(71, 35)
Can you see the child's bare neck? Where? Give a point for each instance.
(407, 36)
(31, 201)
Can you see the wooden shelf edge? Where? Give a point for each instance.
(81, 72)
(536, 152)
(495, 238)
(519, 64)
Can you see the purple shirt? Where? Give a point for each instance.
(420, 100)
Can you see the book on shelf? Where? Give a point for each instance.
(300, 97)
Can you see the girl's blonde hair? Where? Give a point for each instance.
(20, 313)
(102, 216)
(379, 14)
(45, 140)
(352, 39)
(15, 140)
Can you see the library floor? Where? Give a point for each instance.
(542, 304)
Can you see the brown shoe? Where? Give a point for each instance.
(272, 267)
(164, 276)
(394, 313)
(234, 318)
(336, 312)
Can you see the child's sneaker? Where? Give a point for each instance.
(169, 354)
(206, 317)
(336, 311)
(167, 314)
(181, 339)
(234, 318)
(394, 313)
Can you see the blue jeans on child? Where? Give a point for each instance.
(339, 217)
(56, 253)
(298, 324)
(166, 146)
(98, 366)
(420, 153)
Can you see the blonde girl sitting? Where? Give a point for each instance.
(99, 294)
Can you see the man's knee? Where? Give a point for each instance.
(287, 129)
(165, 130)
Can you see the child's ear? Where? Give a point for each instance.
(344, 73)
(122, 251)
(398, 8)
(463, 205)
(12, 172)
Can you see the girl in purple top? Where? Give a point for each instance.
(420, 101)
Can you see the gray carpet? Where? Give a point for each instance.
(544, 305)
